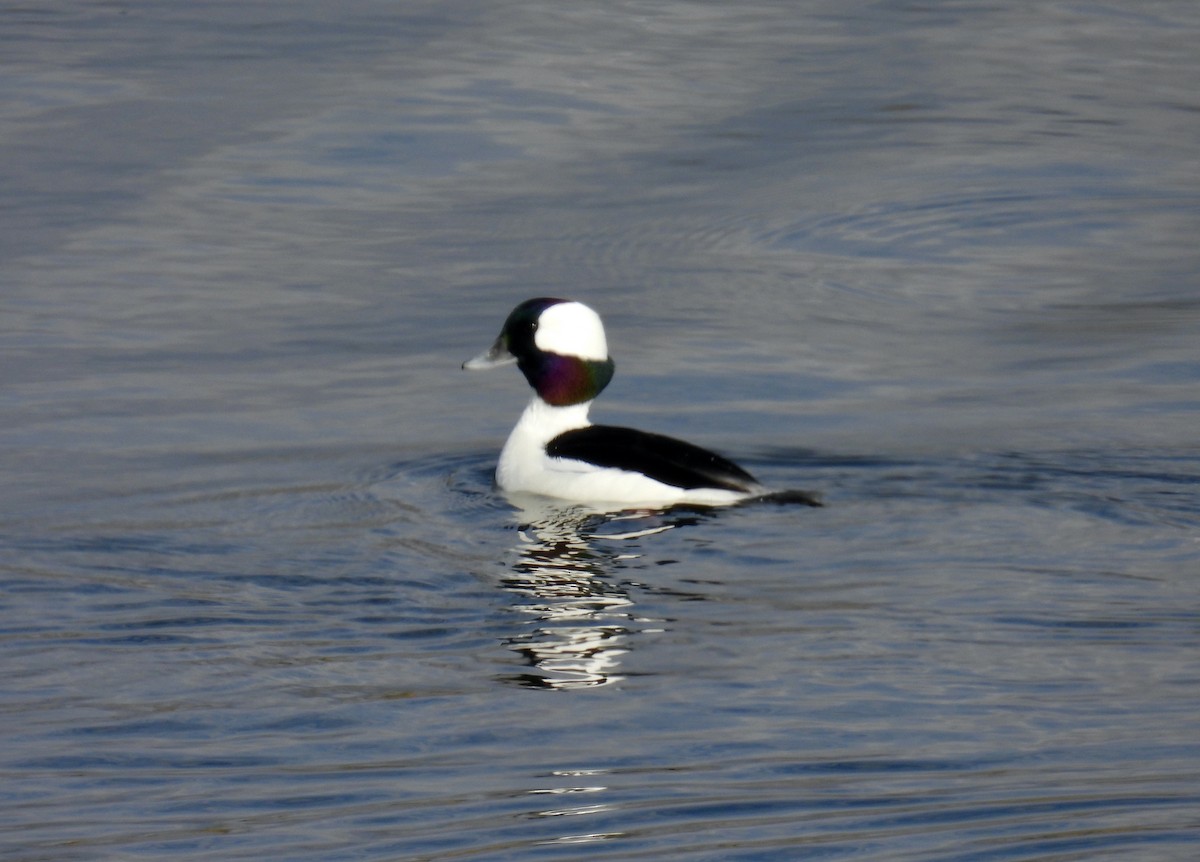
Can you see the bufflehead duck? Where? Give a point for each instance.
(554, 450)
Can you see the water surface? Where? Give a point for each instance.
(937, 262)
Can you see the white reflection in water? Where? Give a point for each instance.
(576, 810)
(582, 616)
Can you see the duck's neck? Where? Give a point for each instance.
(548, 421)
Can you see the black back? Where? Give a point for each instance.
(670, 461)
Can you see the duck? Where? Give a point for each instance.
(555, 451)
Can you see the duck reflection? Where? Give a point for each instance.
(583, 615)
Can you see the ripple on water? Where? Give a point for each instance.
(911, 684)
(272, 688)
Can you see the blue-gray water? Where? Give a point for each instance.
(937, 261)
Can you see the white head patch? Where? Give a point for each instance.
(571, 329)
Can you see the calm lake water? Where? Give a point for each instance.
(936, 261)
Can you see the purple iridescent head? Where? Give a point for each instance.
(559, 346)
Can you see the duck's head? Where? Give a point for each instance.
(559, 346)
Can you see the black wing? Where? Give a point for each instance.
(670, 461)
